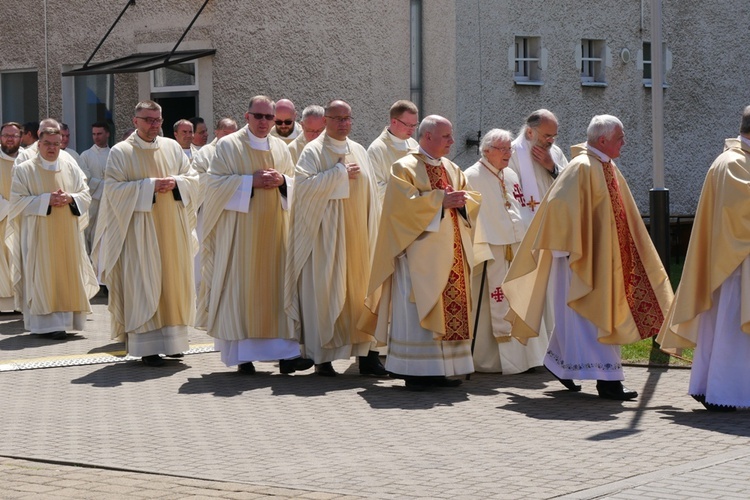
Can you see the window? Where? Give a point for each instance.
(19, 97)
(644, 63)
(593, 59)
(94, 97)
(528, 60)
(182, 76)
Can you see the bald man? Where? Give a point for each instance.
(285, 126)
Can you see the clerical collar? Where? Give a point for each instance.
(145, 145)
(7, 156)
(604, 158)
(745, 140)
(429, 159)
(97, 148)
(399, 144)
(340, 147)
(259, 143)
(489, 166)
(188, 152)
(52, 166)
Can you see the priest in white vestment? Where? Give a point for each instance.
(31, 150)
(394, 142)
(335, 213)
(501, 226)
(243, 251)
(10, 142)
(93, 162)
(588, 244)
(313, 124)
(420, 280)
(286, 127)
(52, 275)
(711, 309)
(145, 231)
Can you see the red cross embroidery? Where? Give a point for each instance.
(498, 294)
(518, 195)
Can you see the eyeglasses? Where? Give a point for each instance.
(341, 119)
(47, 144)
(10, 136)
(407, 125)
(151, 121)
(504, 149)
(283, 122)
(546, 137)
(261, 116)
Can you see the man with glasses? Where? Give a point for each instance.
(500, 228)
(335, 212)
(144, 244)
(285, 126)
(93, 162)
(10, 141)
(31, 151)
(53, 276)
(420, 281)
(394, 142)
(536, 159)
(313, 124)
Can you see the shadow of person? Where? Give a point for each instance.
(564, 405)
(109, 348)
(397, 397)
(118, 374)
(733, 424)
(29, 341)
(225, 384)
(11, 326)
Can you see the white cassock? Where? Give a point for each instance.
(93, 162)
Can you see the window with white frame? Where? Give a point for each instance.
(644, 63)
(593, 62)
(19, 96)
(175, 77)
(527, 60)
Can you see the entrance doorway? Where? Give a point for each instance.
(175, 106)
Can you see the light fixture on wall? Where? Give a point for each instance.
(625, 55)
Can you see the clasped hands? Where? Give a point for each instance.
(453, 198)
(60, 198)
(164, 185)
(267, 179)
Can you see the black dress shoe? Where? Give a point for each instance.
(445, 382)
(176, 356)
(246, 368)
(613, 389)
(371, 365)
(417, 384)
(568, 383)
(325, 370)
(153, 360)
(287, 366)
(58, 335)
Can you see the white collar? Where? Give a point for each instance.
(399, 144)
(604, 158)
(745, 140)
(340, 147)
(430, 160)
(259, 143)
(53, 166)
(146, 145)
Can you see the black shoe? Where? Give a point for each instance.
(246, 368)
(568, 383)
(58, 335)
(371, 365)
(613, 389)
(325, 370)
(287, 366)
(445, 382)
(153, 360)
(417, 384)
(176, 356)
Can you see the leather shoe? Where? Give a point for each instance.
(153, 360)
(417, 384)
(287, 366)
(246, 368)
(568, 383)
(176, 356)
(613, 389)
(325, 370)
(58, 335)
(445, 382)
(371, 365)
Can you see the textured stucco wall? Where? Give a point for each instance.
(708, 83)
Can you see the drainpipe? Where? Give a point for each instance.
(415, 46)
(46, 63)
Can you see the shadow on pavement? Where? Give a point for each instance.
(11, 326)
(115, 346)
(397, 397)
(28, 341)
(129, 372)
(733, 424)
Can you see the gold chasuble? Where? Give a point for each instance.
(438, 260)
(719, 244)
(333, 236)
(144, 245)
(243, 254)
(51, 270)
(6, 234)
(617, 280)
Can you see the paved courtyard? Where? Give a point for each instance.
(81, 421)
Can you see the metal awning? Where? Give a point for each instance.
(141, 62)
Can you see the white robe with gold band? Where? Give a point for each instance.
(147, 245)
(500, 229)
(93, 162)
(52, 275)
(244, 252)
(6, 234)
(332, 238)
(383, 152)
(296, 147)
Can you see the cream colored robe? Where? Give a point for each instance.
(296, 147)
(147, 248)
(410, 205)
(576, 217)
(93, 162)
(6, 234)
(243, 255)
(51, 271)
(333, 237)
(543, 178)
(287, 140)
(383, 153)
(719, 243)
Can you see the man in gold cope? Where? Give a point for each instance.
(420, 280)
(52, 275)
(334, 220)
(146, 219)
(245, 228)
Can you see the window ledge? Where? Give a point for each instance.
(529, 83)
(647, 84)
(593, 84)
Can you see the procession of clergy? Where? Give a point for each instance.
(286, 240)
